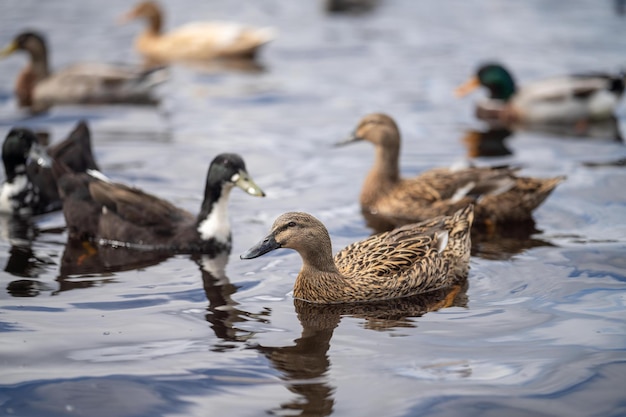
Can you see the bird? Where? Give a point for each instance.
(569, 99)
(195, 41)
(499, 195)
(38, 88)
(76, 151)
(409, 260)
(114, 214)
(30, 187)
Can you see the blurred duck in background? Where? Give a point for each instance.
(195, 41)
(499, 195)
(349, 6)
(38, 88)
(30, 187)
(570, 99)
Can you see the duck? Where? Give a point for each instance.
(30, 187)
(499, 195)
(349, 6)
(195, 41)
(38, 88)
(409, 260)
(569, 99)
(118, 215)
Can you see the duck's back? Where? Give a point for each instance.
(394, 264)
(133, 216)
(441, 191)
(96, 83)
(566, 99)
(204, 40)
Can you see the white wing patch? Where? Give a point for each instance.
(461, 192)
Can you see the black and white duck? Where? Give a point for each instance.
(118, 215)
(29, 187)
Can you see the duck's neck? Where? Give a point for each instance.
(503, 90)
(155, 24)
(317, 286)
(12, 170)
(213, 221)
(319, 279)
(39, 63)
(383, 175)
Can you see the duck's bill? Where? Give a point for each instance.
(8, 50)
(126, 17)
(467, 87)
(350, 139)
(245, 183)
(266, 245)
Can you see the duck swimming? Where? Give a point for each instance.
(567, 99)
(195, 41)
(410, 260)
(499, 195)
(118, 215)
(38, 88)
(30, 187)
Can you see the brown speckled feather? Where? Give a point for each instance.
(410, 260)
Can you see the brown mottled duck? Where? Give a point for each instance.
(410, 260)
(499, 195)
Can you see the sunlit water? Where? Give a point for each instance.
(539, 330)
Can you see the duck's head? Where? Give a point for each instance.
(294, 230)
(495, 78)
(19, 146)
(148, 10)
(228, 170)
(32, 42)
(377, 128)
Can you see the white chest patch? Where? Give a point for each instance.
(9, 191)
(217, 224)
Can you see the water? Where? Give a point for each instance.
(539, 329)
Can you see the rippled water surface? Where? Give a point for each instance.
(539, 329)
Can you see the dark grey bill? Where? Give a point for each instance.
(266, 245)
(350, 139)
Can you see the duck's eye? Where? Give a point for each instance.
(291, 224)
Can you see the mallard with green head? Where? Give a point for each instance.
(410, 260)
(577, 98)
(38, 88)
(499, 195)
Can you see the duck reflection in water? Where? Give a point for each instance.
(83, 258)
(607, 130)
(23, 261)
(306, 364)
(488, 142)
(222, 312)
